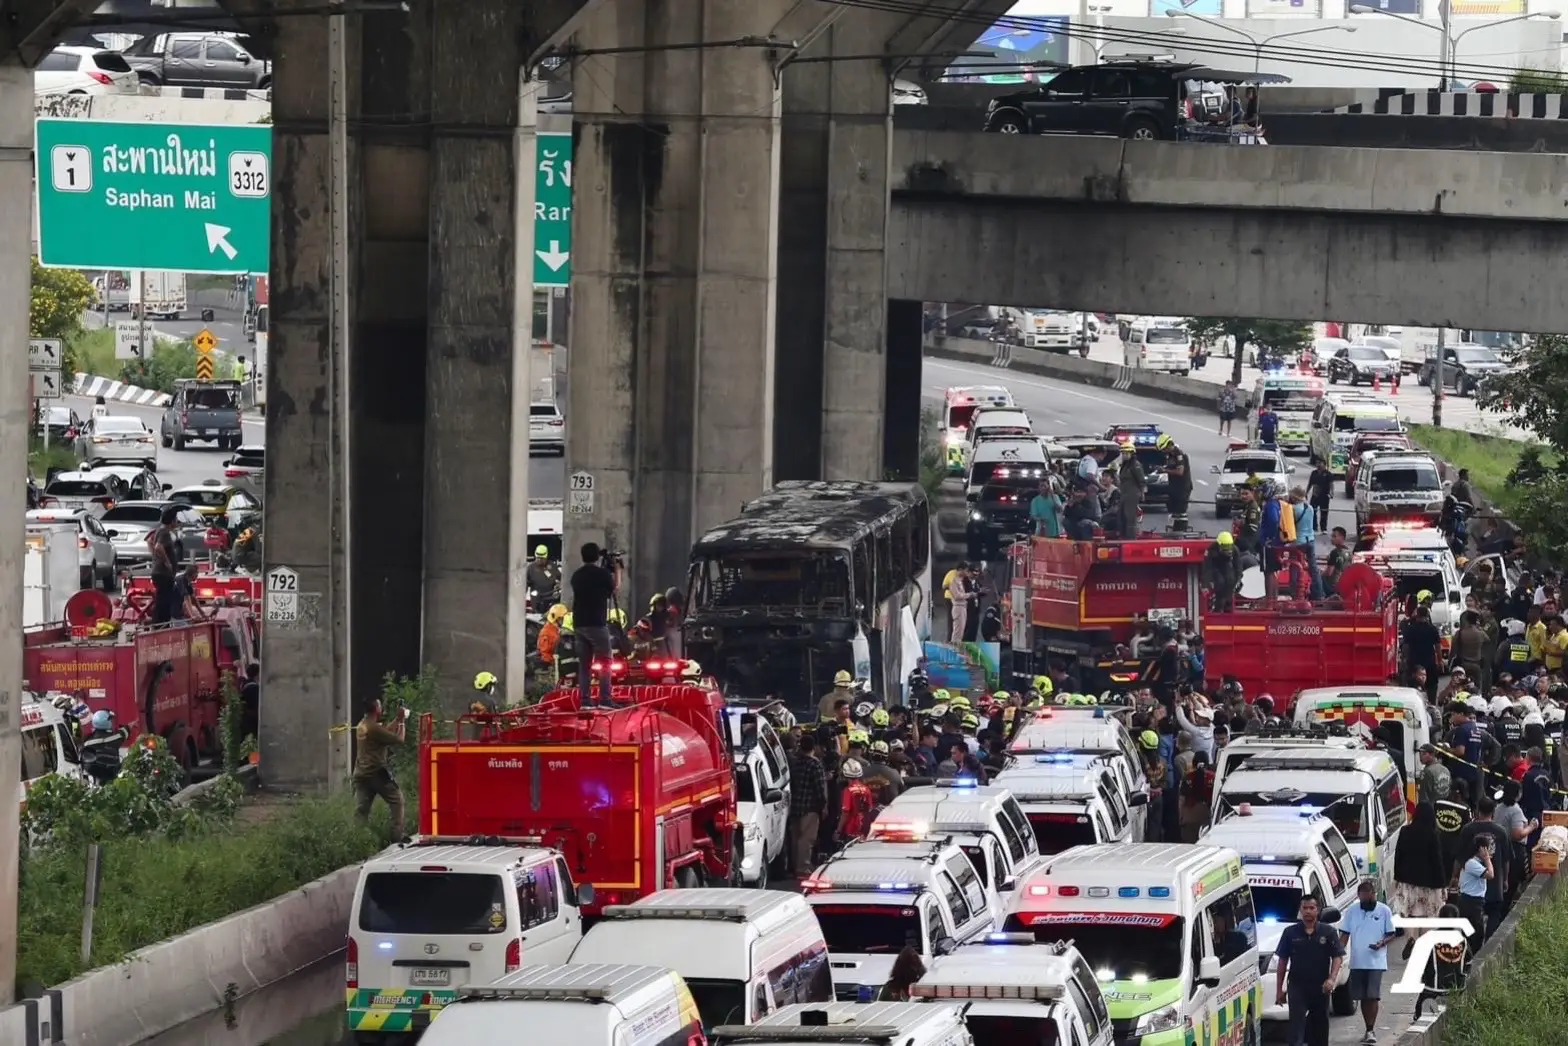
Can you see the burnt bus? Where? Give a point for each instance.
(813, 578)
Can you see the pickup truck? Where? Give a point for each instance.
(198, 60)
(204, 410)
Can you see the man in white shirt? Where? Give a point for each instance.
(100, 408)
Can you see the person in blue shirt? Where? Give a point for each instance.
(1474, 875)
(1045, 512)
(1310, 955)
(1367, 928)
(1307, 540)
(1268, 425)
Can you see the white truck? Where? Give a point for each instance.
(158, 293)
(51, 573)
(1049, 330)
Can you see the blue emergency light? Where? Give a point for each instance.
(1099, 713)
(964, 782)
(1159, 891)
(896, 887)
(1127, 891)
(1053, 757)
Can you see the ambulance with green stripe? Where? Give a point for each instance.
(1169, 930)
(1293, 397)
(1339, 417)
(432, 916)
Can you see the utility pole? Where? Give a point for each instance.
(529, 89)
(142, 333)
(1445, 16)
(1437, 381)
(16, 186)
(339, 371)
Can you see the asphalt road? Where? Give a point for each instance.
(201, 461)
(227, 326)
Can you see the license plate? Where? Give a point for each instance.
(429, 977)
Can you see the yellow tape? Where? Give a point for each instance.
(1493, 773)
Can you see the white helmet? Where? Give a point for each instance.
(1554, 715)
(1534, 719)
(1500, 704)
(852, 770)
(1529, 704)
(1513, 627)
(1479, 703)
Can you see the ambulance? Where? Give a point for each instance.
(1170, 932)
(1293, 398)
(958, 407)
(1014, 991)
(1069, 799)
(845, 1024)
(48, 746)
(1397, 716)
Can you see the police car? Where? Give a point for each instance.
(1145, 440)
(1242, 462)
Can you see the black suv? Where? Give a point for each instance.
(1124, 99)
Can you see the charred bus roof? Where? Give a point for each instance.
(812, 514)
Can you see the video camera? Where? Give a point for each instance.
(609, 558)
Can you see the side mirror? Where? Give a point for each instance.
(944, 945)
(1329, 916)
(1138, 799)
(1009, 884)
(1209, 971)
(227, 463)
(585, 895)
(168, 487)
(244, 58)
(1290, 470)
(1214, 469)
(773, 795)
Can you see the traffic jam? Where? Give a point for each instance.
(141, 597)
(1196, 782)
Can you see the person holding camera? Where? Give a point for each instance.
(373, 764)
(594, 585)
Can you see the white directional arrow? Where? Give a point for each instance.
(218, 239)
(554, 257)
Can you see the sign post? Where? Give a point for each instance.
(282, 596)
(204, 342)
(580, 494)
(181, 197)
(128, 341)
(43, 365)
(553, 211)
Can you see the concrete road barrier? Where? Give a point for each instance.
(162, 986)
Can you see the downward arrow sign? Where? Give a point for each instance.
(554, 257)
(218, 239)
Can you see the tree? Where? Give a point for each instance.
(60, 296)
(1533, 395)
(1272, 337)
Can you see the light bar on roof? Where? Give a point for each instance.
(540, 993)
(724, 912)
(1037, 992)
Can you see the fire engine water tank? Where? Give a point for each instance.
(685, 754)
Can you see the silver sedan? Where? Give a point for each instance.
(108, 440)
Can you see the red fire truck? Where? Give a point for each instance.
(160, 679)
(1075, 601)
(638, 797)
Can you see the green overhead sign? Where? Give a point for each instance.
(553, 210)
(182, 197)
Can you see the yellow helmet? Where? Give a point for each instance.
(960, 701)
(1127, 446)
(1165, 442)
(1149, 740)
(879, 717)
(842, 678)
(616, 616)
(566, 622)
(1037, 703)
(1043, 685)
(1001, 697)
(541, 552)
(859, 737)
(485, 680)
(940, 696)
(970, 721)
(556, 613)
(1424, 596)
(1224, 539)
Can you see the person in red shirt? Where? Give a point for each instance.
(1515, 763)
(859, 802)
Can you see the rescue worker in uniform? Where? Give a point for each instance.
(567, 658)
(373, 764)
(1132, 481)
(1513, 653)
(843, 690)
(543, 576)
(615, 621)
(100, 749)
(1179, 470)
(550, 636)
(486, 695)
(1222, 571)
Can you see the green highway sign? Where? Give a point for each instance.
(553, 210)
(176, 196)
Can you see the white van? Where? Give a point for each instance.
(1361, 791)
(1399, 713)
(1053, 733)
(761, 793)
(873, 899)
(1003, 458)
(432, 916)
(1158, 343)
(1169, 930)
(48, 746)
(959, 406)
(742, 953)
(1014, 991)
(986, 823)
(613, 1005)
(876, 1024)
(1288, 857)
(1070, 800)
(1420, 560)
(1239, 750)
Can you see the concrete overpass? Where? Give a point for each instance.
(1454, 239)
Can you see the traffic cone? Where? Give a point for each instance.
(1377, 383)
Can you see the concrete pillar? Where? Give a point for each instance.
(673, 280)
(16, 193)
(901, 417)
(855, 307)
(297, 662)
(473, 106)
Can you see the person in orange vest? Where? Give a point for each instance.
(550, 635)
(858, 802)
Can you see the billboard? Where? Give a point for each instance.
(1396, 7)
(1017, 40)
(1206, 8)
(1472, 8)
(1285, 8)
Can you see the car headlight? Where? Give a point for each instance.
(1433, 506)
(976, 515)
(1163, 1019)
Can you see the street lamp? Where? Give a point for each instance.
(1450, 42)
(1259, 44)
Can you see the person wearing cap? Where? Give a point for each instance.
(1222, 572)
(1132, 481)
(887, 781)
(1155, 771)
(843, 690)
(857, 802)
(100, 749)
(1433, 782)
(542, 576)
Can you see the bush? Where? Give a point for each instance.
(1522, 1002)
(933, 456)
(40, 460)
(92, 352)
